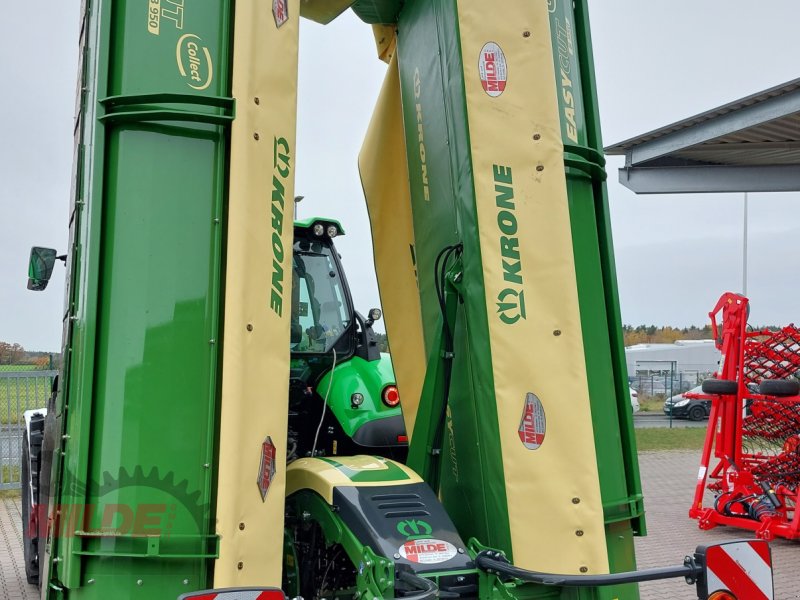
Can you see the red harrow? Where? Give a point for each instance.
(753, 429)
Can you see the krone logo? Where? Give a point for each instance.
(194, 61)
(552, 5)
(511, 305)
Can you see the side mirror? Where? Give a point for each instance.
(236, 594)
(40, 267)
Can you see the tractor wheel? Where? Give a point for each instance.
(29, 541)
(722, 387)
(697, 413)
(779, 387)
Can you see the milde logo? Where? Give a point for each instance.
(281, 169)
(194, 62)
(511, 299)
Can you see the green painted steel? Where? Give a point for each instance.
(597, 293)
(443, 201)
(139, 393)
(365, 377)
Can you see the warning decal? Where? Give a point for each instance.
(493, 69)
(427, 551)
(533, 424)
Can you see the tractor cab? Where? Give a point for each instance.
(343, 397)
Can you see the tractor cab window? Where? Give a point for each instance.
(320, 312)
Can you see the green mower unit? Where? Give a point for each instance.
(224, 418)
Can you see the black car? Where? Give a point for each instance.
(688, 408)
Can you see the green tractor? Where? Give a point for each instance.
(343, 397)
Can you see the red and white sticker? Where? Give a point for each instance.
(533, 425)
(743, 569)
(266, 468)
(280, 10)
(427, 551)
(493, 69)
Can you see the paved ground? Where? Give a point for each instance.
(12, 571)
(668, 479)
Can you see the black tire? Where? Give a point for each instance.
(29, 541)
(779, 387)
(722, 387)
(696, 413)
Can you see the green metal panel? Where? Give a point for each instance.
(365, 377)
(141, 370)
(597, 292)
(443, 200)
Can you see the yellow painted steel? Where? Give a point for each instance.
(255, 370)
(384, 175)
(322, 477)
(542, 353)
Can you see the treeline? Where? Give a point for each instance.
(650, 334)
(15, 354)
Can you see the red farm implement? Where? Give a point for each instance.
(753, 429)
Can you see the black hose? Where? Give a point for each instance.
(427, 588)
(440, 281)
(689, 570)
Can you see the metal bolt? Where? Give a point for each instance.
(240, 565)
(185, 582)
(206, 465)
(305, 515)
(249, 327)
(461, 551)
(579, 533)
(397, 555)
(540, 168)
(584, 569)
(257, 100)
(556, 332)
(90, 582)
(460, 579)
(256, 137)
(576, 500)
(537, 136)
(241, 526)
(139, 582)
(526, 34)
(216, 221)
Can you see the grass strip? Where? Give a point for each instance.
(663, 438)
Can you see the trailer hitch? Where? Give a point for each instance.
(732, 570)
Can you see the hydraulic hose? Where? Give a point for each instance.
(427, 588)
(494, 563)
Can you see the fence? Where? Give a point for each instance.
(654, 384)
(19, 391)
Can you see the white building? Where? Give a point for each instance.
(688, 361)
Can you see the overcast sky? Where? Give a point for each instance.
(657, 62)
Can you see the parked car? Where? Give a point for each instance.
(688, 408)
(634, 399)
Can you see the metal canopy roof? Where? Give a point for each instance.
(751, 145)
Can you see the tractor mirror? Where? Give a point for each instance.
(236, 594)
(738, 570)
(40, 267)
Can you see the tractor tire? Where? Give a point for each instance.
(697, 413)
(722, 387)
(29, 541)
(779, 387)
